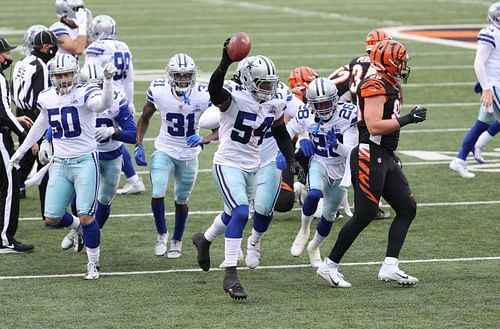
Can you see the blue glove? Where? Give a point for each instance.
(281, 161)
(307, 147)
(195, 140)
(331, 139)
(140, 157)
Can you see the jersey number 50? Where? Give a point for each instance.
(64, 122)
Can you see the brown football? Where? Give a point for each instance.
(239, 46)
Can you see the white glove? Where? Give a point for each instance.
(16, 159)
(45, 152)
(109, 71)
(81, 21)
(103, 133)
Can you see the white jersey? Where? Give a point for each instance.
(344, 124)
(101, 52)
(490, 36)
(269, 147)
(109, 118)
(72, 124)
(179, 117)
(62, 30)
(243, 127)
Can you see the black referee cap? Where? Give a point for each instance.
(45, 37)
(4, 46)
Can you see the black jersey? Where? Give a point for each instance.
(375, 85)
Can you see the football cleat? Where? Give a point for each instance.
(93, 271)
(300, 241)
(132, 188)
(331, 274)
(460, 167)
(478, 154)
(232, 285)
(175, 250)
(381, 214)
(252, 260)
(203, 249)
(391, 272)
(73, 239)
(161, 244)
(314, 254)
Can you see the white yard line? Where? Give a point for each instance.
(271, 267)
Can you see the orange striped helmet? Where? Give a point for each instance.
(391, 57)
(373, 37)
(301, 76)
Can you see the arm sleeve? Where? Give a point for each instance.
(284, 142)
(482, 54)
(7, 118)
(103, 101)
(218, 94)
(129, 84)
(128, 129)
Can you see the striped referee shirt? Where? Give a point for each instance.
(30, 77)
(7, 119)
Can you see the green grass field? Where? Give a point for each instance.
(453, 246)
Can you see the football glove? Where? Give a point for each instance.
(417, 114)
(281, 161)
(331, 138)
(296, 169)
(81, 19)
(307, 147)
(226, 60)
(109, 71)
(103, 133)
(140, 157)
(195, 140)
(45, 152)
(15, 160)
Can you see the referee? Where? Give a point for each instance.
(30, 77)
(9, 183)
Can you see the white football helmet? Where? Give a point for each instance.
(494, 14)
(181, 73)
(323, 97)
(260, 77)
(63, 64)
(237, 72)
(91, 73)
(68, 8)
(102, 27)
(29, 36)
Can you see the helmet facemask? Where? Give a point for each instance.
(181, 73)
(323, 98)
(63, 73)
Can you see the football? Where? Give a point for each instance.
(239, 46)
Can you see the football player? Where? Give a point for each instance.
(69, 109)
(71, 29)
(29, 35)
(249, 111)
(181, 101)
(114, 127)
(332, 129)
(104, 48)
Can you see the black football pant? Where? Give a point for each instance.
(377, 172)
(9, 192)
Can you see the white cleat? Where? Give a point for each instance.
(299, 191)
(175, 250)
(252, 260)
(300, 241)
(161, 244)
(331, 274)
(393, 273)
(478, 154)
(73, 239)
(460, 167)
(93, 271)
(314, 254)
(132, 188)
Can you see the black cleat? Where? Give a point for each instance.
(232, 284)
(203, 248)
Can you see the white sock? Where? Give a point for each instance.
(390, 261)
(76, 222)
(231, 251)
(217, 228)
(306, 220)
(133, 179)
(317, 239)
(331, 263)
(255, 237)
(93, 254)
(483, 140)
